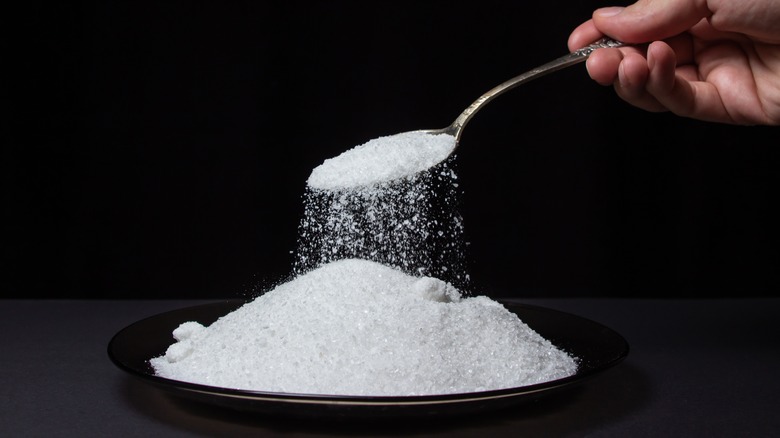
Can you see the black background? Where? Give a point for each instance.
(160, 150)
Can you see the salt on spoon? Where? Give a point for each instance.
(382, 159)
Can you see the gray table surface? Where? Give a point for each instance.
(696, 368)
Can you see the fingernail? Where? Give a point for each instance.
(622, 75)
(608, 12)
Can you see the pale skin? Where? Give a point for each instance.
(711, 60)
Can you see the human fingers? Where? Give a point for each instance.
(678, 89)
(627, 71)
(756, 18)
(649, 20)
(584, 34)
(630, 84)
(602, 64)
(625, 68)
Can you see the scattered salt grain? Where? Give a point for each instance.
(357, 327)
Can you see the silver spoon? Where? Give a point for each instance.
(456, 128)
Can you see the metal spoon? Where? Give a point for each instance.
(456, 128)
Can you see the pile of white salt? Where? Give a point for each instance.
(356, 327)
(367, 312)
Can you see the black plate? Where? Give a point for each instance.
(598, 348)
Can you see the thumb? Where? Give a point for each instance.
(649, 20)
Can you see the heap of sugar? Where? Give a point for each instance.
(382, 159)
(357, 327)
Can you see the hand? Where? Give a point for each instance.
(712, 60)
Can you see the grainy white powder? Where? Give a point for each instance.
(378, 304)
(381, 160)
(356, 327)
(412, 224)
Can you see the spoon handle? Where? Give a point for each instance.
(557, 64)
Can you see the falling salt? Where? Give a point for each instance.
(401, 208)
(357, 327)
(379, 302)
